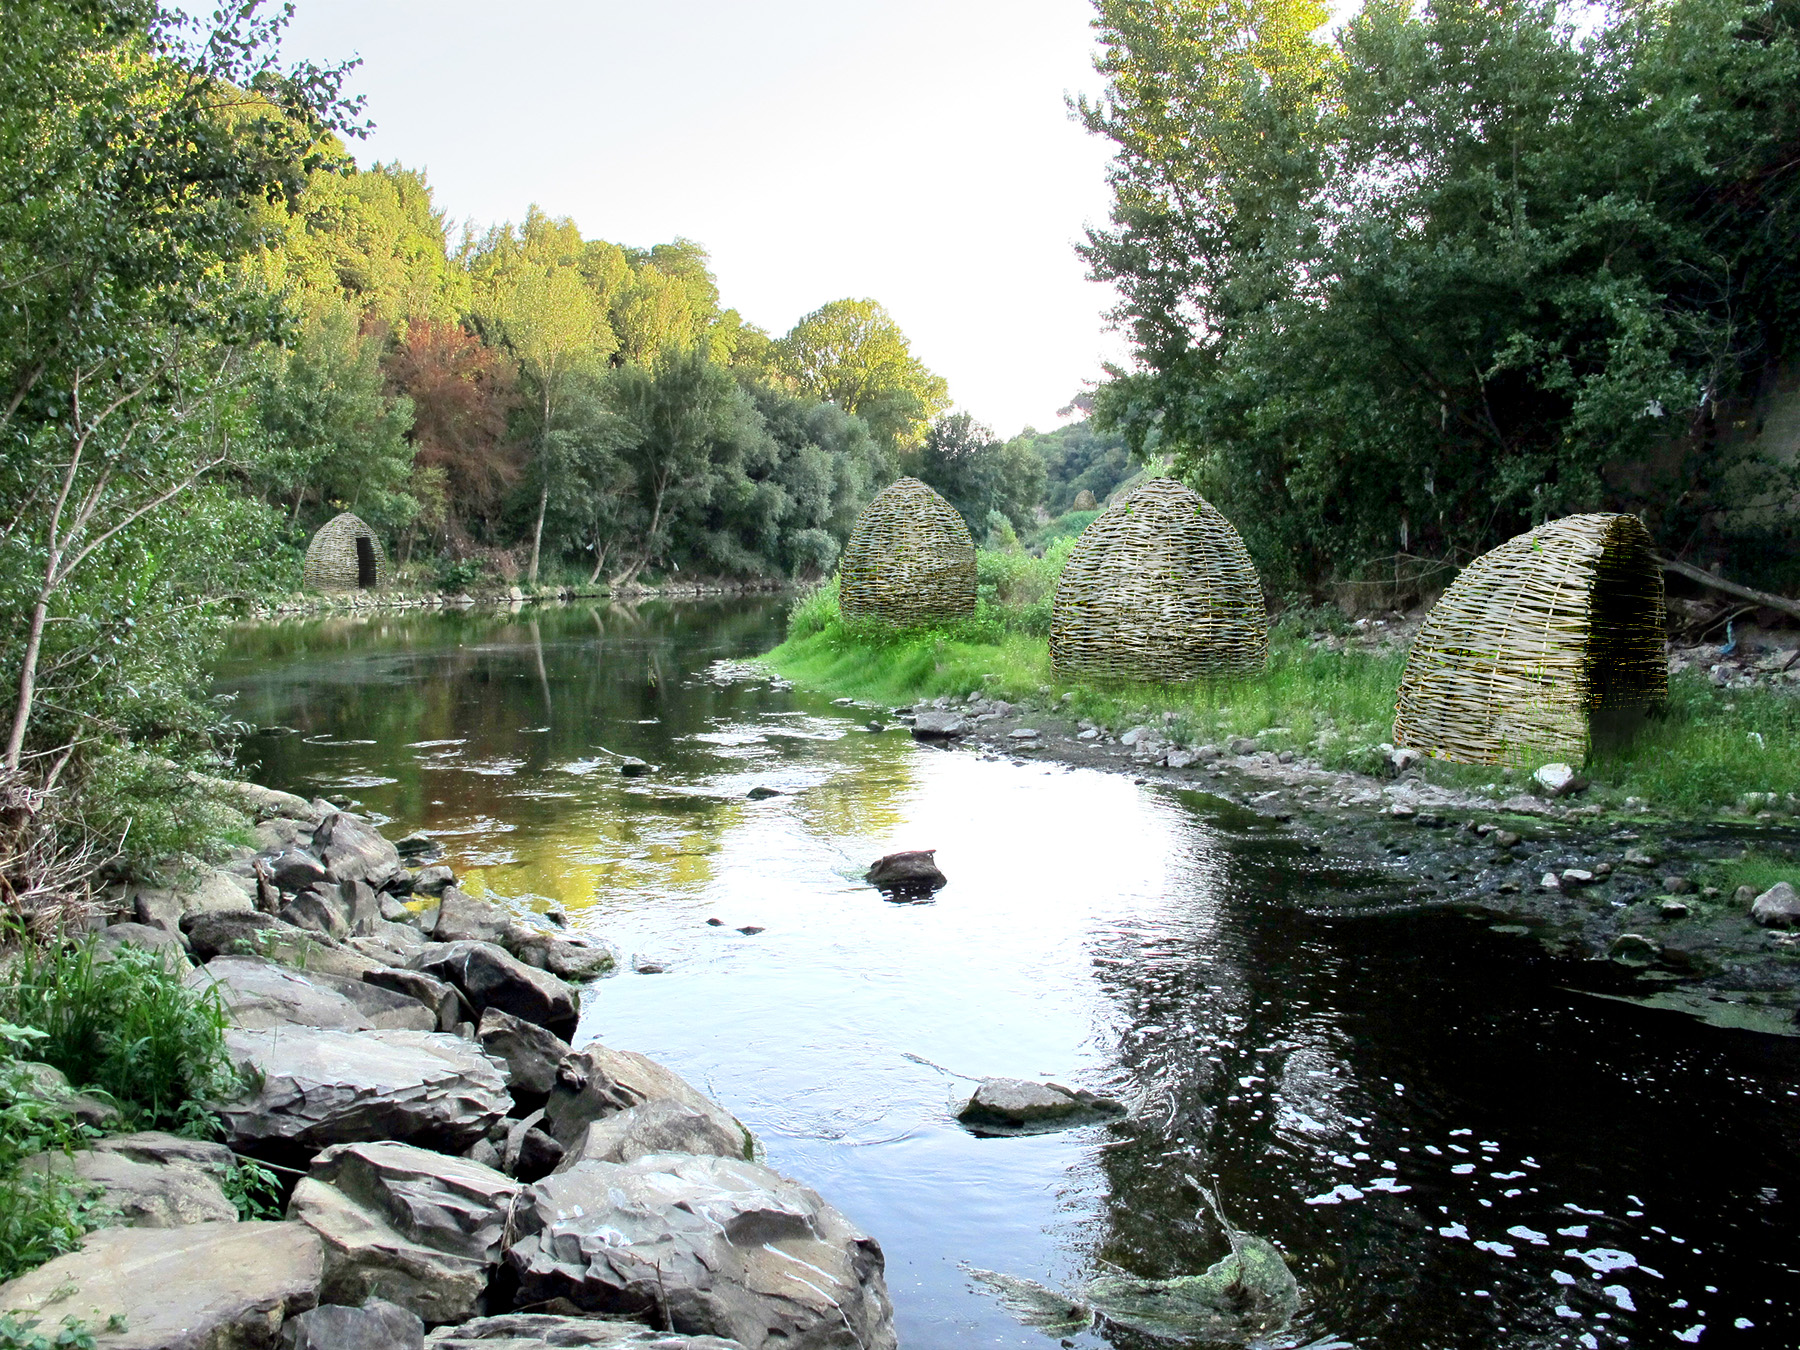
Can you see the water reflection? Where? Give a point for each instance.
(1455, 1151)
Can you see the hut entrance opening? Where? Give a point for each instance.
(365, 562)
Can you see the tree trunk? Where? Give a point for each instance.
(537, 535)
(599, 562)
(15, 742)
(1780, 602)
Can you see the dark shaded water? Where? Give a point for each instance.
(1455, 1150)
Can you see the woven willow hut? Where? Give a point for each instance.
(1159, 587)
(344, 555)
(1537, 644)
(1084, 501)
(909, 559)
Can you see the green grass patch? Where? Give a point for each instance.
(1711, 751)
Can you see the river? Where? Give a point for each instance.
(1455, 1149)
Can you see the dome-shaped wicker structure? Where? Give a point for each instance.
(1159, 587)
(909, 559)
(344, 555)
(1533, 640)
(1084, 501)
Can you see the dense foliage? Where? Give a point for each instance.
(1404, 290)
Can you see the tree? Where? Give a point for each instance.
(1401, 293)
(130, 159)
(535, 300)
(463, 393)
(853, 354)
(979, 474)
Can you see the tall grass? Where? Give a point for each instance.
(1709, 751)
(125, 1025)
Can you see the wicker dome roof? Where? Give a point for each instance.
(339, 559)
(1159, 587)
(1534, 638)
(909, 559)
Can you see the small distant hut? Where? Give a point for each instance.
(1537, 644)
(344, 555)
(1159, 587)
(909, 559)
(1084, 501)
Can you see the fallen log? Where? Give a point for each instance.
(1764, 598)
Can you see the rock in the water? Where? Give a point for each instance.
(332, 1087)
(146, 1190)
(596, 1082)
(1777, 907)
(461, 918)
(708, 1246)
(419, 1228)
(934, 725)
(1019, 1106)
(1557, 780)
(1634, 949)
(633, 767)
(662, 1126)
(912, 871)
(205, 1286)
(1244, 1295)
(760, 793)
(491, 977)
(549, 1331)
(354, 850)
(377, 1325)
(434, 880)
(529, 1052)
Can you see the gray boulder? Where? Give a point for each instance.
(433, 880)
(386, 1009)
(175, 1150)
(318, 911)
(258, 993)
(596, 1082)
(1018, 1106)
(214, 891)
(1557, 780)
(419, 1228)
(549, 1331)
(567, 958)
(1777, 907)
(934, 725)
(377, 1325)
(439, 997)
(707, 1246)
(256, 801)
(295, 870)
(320, 1087)
(660, 1126)
(529, 1052)
(149, 938)
(242, 934)
(144, 1191)
(460, 918)
(491, 977)
(353, 850)
(205, 1286)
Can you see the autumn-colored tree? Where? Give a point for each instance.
(462, 393)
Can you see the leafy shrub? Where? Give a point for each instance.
(41, 1214)
(125, 1025)
(460, 575)
(145, 809)
(25, 1333)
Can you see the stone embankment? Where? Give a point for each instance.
(463, 1176)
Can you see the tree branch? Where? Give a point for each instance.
(1764, 598)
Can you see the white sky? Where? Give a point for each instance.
(915, 151)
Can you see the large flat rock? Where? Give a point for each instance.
(321, 1087)
(208, 1286)
(597, 1081)
(540, 1331)
(706, 1246)
(142, 1193)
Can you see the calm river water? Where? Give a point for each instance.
(1456, 1150)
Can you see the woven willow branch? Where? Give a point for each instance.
(1159, 587)
(331, 556)
(909, 559)
(1534, 638)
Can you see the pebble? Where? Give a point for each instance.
(1577, 876)
(1674, 909)
(1677, 886)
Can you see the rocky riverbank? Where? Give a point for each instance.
(305, 604)
(1623, 897)
(459, 1173)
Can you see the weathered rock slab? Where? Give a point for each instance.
(530, 1053)
(140, 1192)
(377, 1325)
(491, 977)
(321, 1087)
(206, 1286)
(419, 1228)
(596, 1082)
(353, 850)
(915, 870)
(660, 1126)
(707, 1246)
(547, 1331)
(1777, 907)
(258, 994)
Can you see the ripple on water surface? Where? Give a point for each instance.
(1453, 1150)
